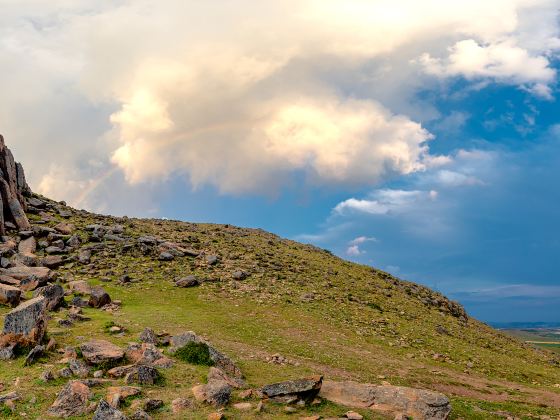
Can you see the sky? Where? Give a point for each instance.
(422, 138)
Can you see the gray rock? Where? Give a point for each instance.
(34, 355)
(166, 256)
(78, 368)
(217, 393)
(189, 281)
(143, 375)
(148, 336)
(98, 352)
(212, 259)
(239, 275)
(303, 389)
(27, 319)
(415, 403)
(54, 295)
(140, 415)
(152, 405)
(105, 412)
(8, 352)
(9, 295)
(99, 297)
(73, 400)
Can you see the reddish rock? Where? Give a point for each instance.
(9, 295)
(73, 400)
(98, 352)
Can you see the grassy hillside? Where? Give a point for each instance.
(322, 314)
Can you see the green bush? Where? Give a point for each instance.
(195, 353)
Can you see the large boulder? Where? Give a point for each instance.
(28, 319)
(53, 293)
(219, 359)
(73, 400)
(38, 275)
(300, 389)
(9, 295)
(97, 352)
(411, 402)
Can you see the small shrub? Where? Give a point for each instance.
(195, 353)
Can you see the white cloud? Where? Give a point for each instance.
(242, 94)
(354, 251)
(385, 201)
(503, 61)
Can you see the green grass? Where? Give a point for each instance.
(360, 324)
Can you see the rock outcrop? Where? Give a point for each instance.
(13, 187)
(411, 402)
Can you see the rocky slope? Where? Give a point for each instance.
(99, 313)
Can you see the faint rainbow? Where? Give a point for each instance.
(94, 184)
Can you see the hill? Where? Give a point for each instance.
(280, 310)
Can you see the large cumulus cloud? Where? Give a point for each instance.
(242, 95)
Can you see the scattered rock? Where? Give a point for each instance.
(53, 294)
(65, 228)
(212, 259)
(140, 415)
(416, 403)
(34, 355)
(80, 287)
(9, 295)
(152, 405)
(78, 368)
(166, 256)
(300, 389)
(99, 297)
(243, 406)
(352, 415)
(179, 405)
(148, 336)
(72, 401)
(98, 352)
(53, 261)
(216, 393)
(239, 275)
(142, 375)
(116, 395)
(189, 281)
(105, 412)
(216, 374)
(215, 416)
(27, 319)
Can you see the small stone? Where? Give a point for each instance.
(47, 376)
(215, 416)
(243, 406)
(189, 281)
(166, 256)
(212, 259)
(34, 355)
(152, 405)
(148, 336)
(181, 404)
(352, 415)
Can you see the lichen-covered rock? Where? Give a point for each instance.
(98, 352)
(302, 389)
(415, 403)
(98, 297)
(216, 393)
(9, 295)
(34, 355)
(217, 374)
(105, 412)
(142, 375)
(148, 336)
(73, 400)
(54, 295)
(27, 319)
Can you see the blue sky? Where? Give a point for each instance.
(423, 139)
